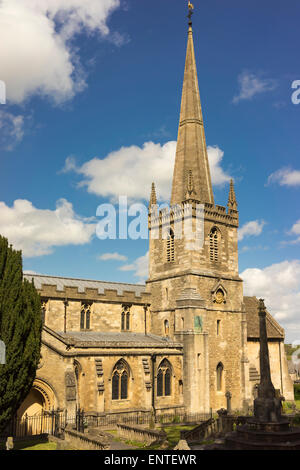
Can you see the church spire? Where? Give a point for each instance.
(191, 152)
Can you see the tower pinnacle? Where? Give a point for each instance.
(232, 204)
(191, 152)
(153, 199)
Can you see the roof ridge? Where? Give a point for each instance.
(275, 323)
(79, 279)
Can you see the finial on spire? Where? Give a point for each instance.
(191, 11)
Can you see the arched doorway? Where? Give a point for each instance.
(40, 398)
(33, 404)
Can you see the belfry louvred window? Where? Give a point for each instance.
(170, 247)
(214, 244)
(120, 377)
(164, 379)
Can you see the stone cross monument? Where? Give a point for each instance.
(267, 407)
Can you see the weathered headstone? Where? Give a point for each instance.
(182, 445)
(10, 443)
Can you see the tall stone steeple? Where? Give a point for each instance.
(191, 152)
(194, 283)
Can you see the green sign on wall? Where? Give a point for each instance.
(198, 323)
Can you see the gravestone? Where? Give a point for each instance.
(10, 443)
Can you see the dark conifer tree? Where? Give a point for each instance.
(20, 329)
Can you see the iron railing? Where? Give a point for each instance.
(54, 422)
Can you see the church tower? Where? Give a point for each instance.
(195, 285)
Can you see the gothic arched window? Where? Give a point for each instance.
(214, 239)
(120, 380)
(220, 370)
(125, 318)
(85, 316)
(170, 247)
(164, 379)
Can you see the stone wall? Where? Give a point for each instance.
(91, 369)
(105, 316)
(80, 441)
(278, 365)
(136, 433)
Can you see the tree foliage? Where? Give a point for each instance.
(20, 329)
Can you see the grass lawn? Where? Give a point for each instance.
(173, 436)
(173, 433)
(39, 444)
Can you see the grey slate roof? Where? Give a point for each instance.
(82, 284)
(133, 339)
(274, 330)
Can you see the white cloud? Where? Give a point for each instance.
(218, 175)
(37, 231)
(279, 285)
(254, 227)
(112, 256)
(295, 230)
(37, 55)
(139, 266)
(130, 171)
(11, 129)
(251, 85)
(285, 177)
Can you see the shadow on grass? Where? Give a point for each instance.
(31, 444)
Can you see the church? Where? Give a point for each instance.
(178, 343)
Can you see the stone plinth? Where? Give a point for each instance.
(266, 436)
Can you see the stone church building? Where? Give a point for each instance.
(178, 343)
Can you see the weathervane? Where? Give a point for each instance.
(191, 10)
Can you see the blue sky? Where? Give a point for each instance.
(93, 99)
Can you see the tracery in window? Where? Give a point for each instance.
(125, 318)
(85, 316)
(164, 379)
(120, 380)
